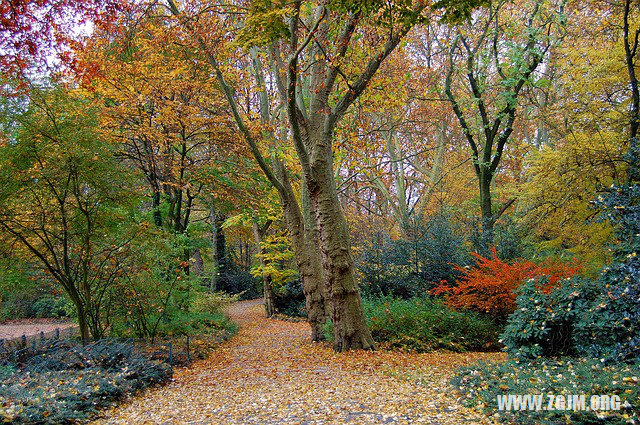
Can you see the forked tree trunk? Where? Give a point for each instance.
(349, 325)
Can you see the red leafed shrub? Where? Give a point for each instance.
(489, 287)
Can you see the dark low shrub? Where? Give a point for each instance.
(65, 382)
(424, 325)
(237, 281)
(289, 299)
(410, 266)
(481, 384)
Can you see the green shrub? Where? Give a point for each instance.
(545, 323)
(582, 317)
(481, 384)
(610, 327)
(66, 383)
(53, 306)
(192, 323)
(212, 303)
(424, 325)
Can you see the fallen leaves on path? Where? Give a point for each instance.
(271, 374)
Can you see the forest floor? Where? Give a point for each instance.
(270, 373)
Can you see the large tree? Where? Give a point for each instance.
(64, 199)
(490, 61)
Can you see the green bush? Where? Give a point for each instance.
(67, 383)
(212, 303)
(424, 325)
(545, 323)
(481, 384)
(610, 328)
(53, 306)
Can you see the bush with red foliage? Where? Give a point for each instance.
(489, 287)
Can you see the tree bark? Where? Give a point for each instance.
(83, 323)
(631, 51)
(198, 265)
(349, 325)
(307, 255)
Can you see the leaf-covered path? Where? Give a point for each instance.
(270, 373)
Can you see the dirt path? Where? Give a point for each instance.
(12, 330)
(271, 374)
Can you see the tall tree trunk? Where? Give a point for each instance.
(631, 48)
(349, 325)
(157, 214)
(317, 300)
(307, 256)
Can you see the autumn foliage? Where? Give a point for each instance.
(490, 286)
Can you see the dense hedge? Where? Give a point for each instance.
(424, 325)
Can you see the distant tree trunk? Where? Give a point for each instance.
(631, 59)
(259, 233)
(213, 281)
(198, 266)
